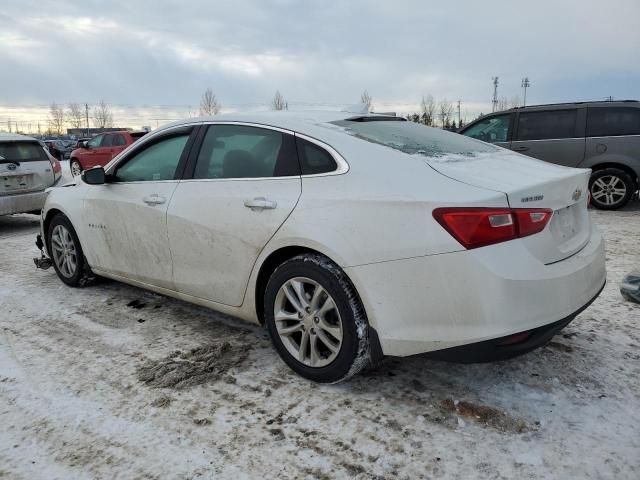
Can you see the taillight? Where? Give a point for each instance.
(478, 227)
(55, 164)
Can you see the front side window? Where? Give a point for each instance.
(493, 129)
(613, 121)
(155, 163)
(413, 138)
(239, 151)
(95, 142)
(549, 124)
(106, 141)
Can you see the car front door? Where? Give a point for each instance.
(125, 219)
(494, 129)
(555, 136)
(118, 144)
(94, 153)
(245, 181)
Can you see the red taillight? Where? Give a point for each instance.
(478, 227)
(55, 164)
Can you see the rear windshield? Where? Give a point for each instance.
(413, 138)
(21, 152)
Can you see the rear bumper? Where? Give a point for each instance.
(22, 202)
(437, 302)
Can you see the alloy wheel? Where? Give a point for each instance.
(64, 251)
(308, 322)
(608, 190)
(75, 169)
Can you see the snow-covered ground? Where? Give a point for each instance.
(110, 381)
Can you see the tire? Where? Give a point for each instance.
(323, 325)
(75, 167)
(603, 194)
(61, 237)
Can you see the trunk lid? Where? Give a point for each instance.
(24, 168)
(530, 183)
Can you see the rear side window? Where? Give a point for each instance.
(613, 121)
(240, 151)
(314, 159)
(21, 152)
(549, 124)
(118, 140)
(106, 141)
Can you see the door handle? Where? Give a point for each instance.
(260, 203)
(154, 199)
(520, 149)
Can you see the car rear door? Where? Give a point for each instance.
(24, 167)
(613, 134)
(243, 183)
(555, 136)
(118, 144)
(125, 218)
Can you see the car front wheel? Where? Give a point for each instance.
(66, 252)
(75, 167)
(315, 319)
(610, 188)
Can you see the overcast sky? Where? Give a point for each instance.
(155, 58)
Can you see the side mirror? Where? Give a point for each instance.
(84, 144)
(94, 176)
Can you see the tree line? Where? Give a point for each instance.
(76, 115)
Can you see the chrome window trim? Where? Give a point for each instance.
(550, 139)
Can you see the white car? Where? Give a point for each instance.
(351, 236)
(26, 170)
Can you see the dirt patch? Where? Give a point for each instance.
(489, 416)
(199, 365)
(560, 346)
(162, 401)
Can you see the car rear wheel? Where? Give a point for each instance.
(75, 167)
(611, 188)
(66, 253)
(315, 319)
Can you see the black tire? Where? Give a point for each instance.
(82, 275)
(604, 202)
(354, 353)
(71, 164)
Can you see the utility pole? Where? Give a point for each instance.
(458, 113)
(525, 84)
(9, 124)
(39, 131)
(86, 110)
(494, 102)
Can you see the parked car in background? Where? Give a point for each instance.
(26, 170)
(351, 236)
(101, 149)
(60, 149)
(603, 136)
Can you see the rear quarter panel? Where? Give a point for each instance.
(623, 150)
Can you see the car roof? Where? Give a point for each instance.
(297, 121)
(15, 137)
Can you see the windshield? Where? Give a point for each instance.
(21, 152)
(413, 138)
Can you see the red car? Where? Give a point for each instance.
(101, 149)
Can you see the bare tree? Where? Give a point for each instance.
(445, 110)
(56, 118)
(102, 116)
(514, 102)
(75, 115)
(428, 107)
(278, 102)
(209, 104)
(366, 99)
(503, 104)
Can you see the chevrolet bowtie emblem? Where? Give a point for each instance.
(577, 194)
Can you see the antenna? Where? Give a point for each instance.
(494, 102)
(525, 84)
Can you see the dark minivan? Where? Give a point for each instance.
(603, 136)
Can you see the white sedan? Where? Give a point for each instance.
(350, 236)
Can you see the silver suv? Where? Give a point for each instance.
(603, 136)
(26, 170)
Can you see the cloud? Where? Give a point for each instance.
(166, 52)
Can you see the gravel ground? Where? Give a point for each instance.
(110, 381)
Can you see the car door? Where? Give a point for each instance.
(245, 181)
(555, 136)
(125, 218)
(494, 129)
(118, 144)
(91, 156)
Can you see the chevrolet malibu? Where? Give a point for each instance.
(349, 236)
